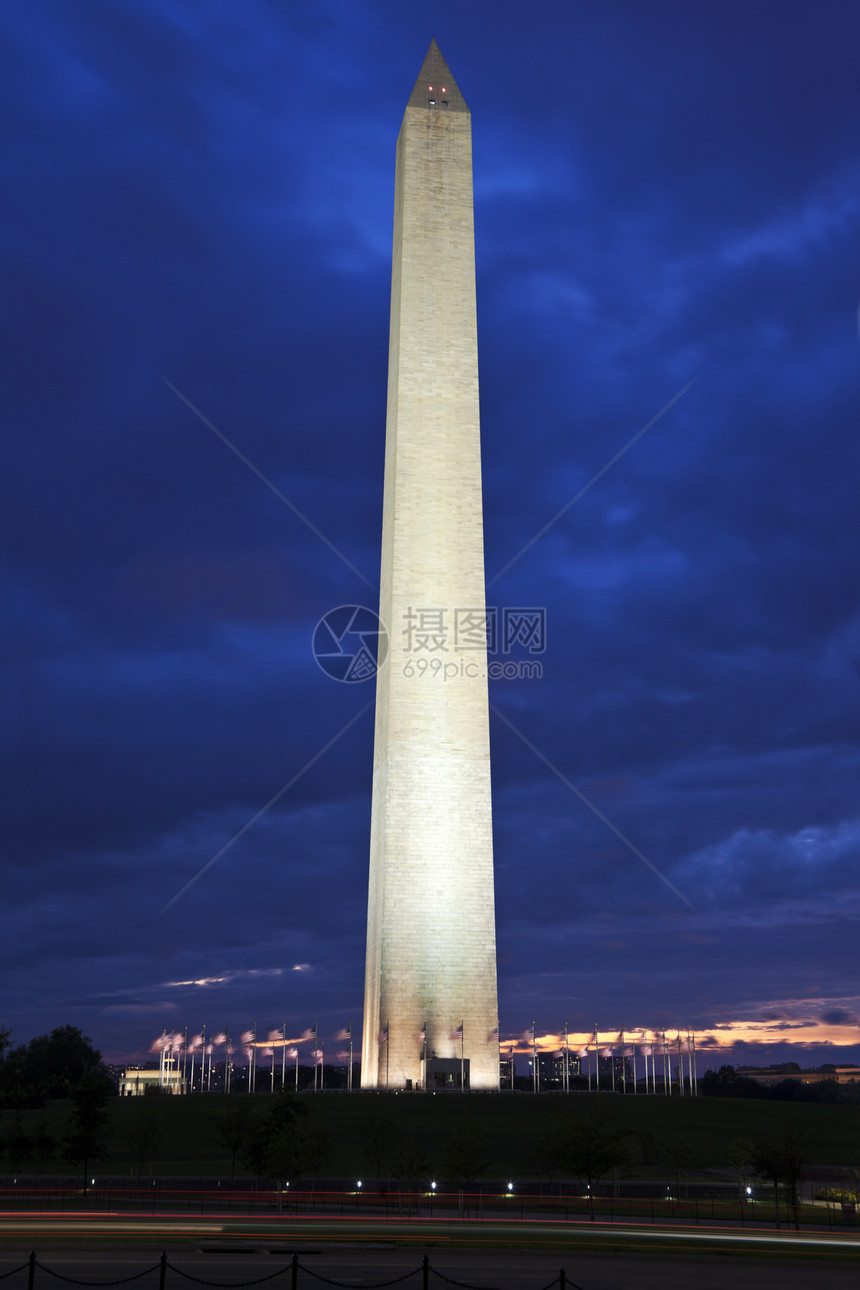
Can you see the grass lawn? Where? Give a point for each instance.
(512, 1124)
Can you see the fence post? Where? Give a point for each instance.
(561, 1279)
(425, 1273)
(162, 1270)
(295, 1272)
(31, 1274)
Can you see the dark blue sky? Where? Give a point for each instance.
(204, 192)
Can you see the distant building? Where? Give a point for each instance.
(768, 1076)
(621, 1067)
(135, 1081)
(507, 1072)
(551, 1069)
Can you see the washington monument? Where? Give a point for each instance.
(430, 1004)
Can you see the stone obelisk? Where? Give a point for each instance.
(430, 986)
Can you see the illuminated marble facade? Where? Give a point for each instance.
(431, 955)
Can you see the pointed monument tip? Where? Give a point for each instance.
(436, 90)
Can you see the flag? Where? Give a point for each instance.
(383, 1034)
(494, 1034)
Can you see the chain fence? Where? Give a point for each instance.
(163, 1267)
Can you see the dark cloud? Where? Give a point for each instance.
(838, 1017)
(662, 193)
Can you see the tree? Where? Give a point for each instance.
(677, 1154)
(466, 1154)
(380, 1140)
(781, 1160)
(21, 1144)
(143, 1137)
(232, 1123)
(590, 1148)
(410, 1165)
(727, 1082)
(280, 1144)
(49, 1066)
(544, 1154)
(739, 1154)
(16, 1145)
(87, 1141)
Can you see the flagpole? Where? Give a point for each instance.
(284, 1059)
(535, 1079)
(349, 1072)
(387, 1051)
(596, 1060)
(424, 1052)
(566, 1070)
(695, 1071)
(623, 1064)
(462, 1063)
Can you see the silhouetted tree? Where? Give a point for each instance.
(589, 1148)
(87, 1141)
(380, 1141)
(232, 1122)
(49, 1066)
(677, 1154)
(739, 1154)
(283, 1145)
(467, 1154)
(143, 1136)
(781, 1160)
